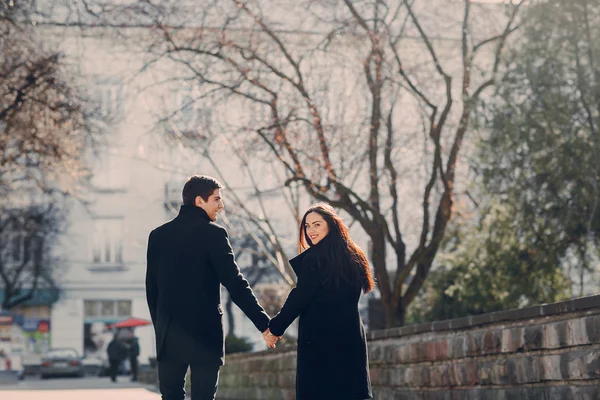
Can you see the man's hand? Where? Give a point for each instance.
(270, 339)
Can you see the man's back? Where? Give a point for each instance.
(188, 284)
(188, 258)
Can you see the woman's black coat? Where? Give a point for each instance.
(332, 349)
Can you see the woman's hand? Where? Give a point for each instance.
(270, 339)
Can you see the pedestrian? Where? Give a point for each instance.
(117, 352)
(134, 352)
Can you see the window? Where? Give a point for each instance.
(108, 241)
(124, 308)
(90, 308)
(107, 309)
(186, 106)
(108, 94)
(191, 119)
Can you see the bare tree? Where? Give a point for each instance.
(421, 61)
(44, 131)
(27, 264)
(256, 270)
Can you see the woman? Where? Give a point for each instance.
(332, 272)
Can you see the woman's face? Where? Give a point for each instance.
(316, 227)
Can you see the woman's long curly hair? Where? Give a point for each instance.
(345, 260)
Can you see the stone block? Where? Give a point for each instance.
(375, 353)
(550, 367)
(437, 395)
(416, 352)
(525, 393)
(559, 393)
(388, 353)
(533, 337)
(440, 376)
(473, 342)
(576, 332)
(286, 379)
(592, 363)
(513, 339)
(457, 347)
(551, 339)
(500, 372)
(397, 377)
(383, 376)
(562, 327)
(441, 350)
(592, 328)
(528, 370)
(413, 376)
(586, 303)
(466, 373)
(429, 351)
(484, 371)
(491, 342)
(573, 365)
(401, 354)
(425, 376)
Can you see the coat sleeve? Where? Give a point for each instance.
(309, 281)
(151, 286)
(222, 260)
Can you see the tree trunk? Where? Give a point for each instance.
(395, 317)
(378, 258)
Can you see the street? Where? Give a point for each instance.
(76, 389)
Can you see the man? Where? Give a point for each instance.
(188, 260)
(134, 352)
(117, 352)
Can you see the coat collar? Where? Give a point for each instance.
(193, 211)
(296, 262)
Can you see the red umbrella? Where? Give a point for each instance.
(131, 323)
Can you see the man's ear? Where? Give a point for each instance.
(199, 201)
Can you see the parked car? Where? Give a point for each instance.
(61, 362)
(94, 366)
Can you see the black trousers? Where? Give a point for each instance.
(171, 380)
(113, 369)
(133, 363)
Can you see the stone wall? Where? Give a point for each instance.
(549, 352)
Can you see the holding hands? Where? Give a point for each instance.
(270, 339)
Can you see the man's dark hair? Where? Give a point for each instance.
(199, 185)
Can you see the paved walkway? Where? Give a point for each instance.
(76, 389)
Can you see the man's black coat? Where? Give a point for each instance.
(188, 259)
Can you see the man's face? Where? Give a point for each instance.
(212, 206)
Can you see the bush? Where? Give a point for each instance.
(234, 344)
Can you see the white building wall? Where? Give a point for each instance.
(66, 323)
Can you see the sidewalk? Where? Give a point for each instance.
(80, 394)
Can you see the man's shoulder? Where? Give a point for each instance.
(216, 228)
(159, 229)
